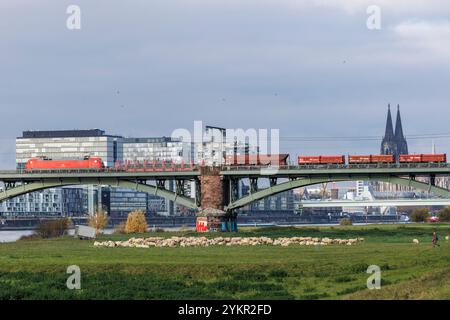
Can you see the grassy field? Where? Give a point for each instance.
(36, 269)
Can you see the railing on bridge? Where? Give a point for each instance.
(182, 167)
(339, 166)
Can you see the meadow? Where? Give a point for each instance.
(36, 269)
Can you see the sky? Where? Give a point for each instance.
(308, 68)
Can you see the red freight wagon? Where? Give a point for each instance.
(273, 159)
(308, 159)
(434, 157)
(49, 164)
(410, 158)
(259, 160)
(321, 160)
(332, 159)
(370, 159)
(382, 158)
(359, 159)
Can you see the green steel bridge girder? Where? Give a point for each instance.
(293, 184)
(113, 182)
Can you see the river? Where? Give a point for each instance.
(11, 236)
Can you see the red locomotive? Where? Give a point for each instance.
(302, 160)
(365, 159)
(49, 164)
(423, 158)
(256, 159)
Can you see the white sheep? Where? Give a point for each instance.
(415, 241)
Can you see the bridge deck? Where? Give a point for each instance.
(309, 171)
(239, 171)
(23, 176)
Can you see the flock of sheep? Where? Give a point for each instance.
(224, 241)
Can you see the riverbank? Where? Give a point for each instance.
(37, 268)
(261, 219)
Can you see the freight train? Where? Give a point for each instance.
(96, 163)
(372, 159)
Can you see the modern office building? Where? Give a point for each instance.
(283, 201)
(62, 144)
(119, 202)
(217, 145)
(62, 201)
(157, 149)
(68, 144)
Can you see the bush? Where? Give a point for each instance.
(346, 222)
(99, 221)
(120, 228)
(30, 237)
(420, 215)
(53, 228)
(444, 214)
(136, 222)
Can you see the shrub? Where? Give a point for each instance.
(419, 215)
(53, 228)
(120, 228)
(444, 214)
(346, 222)
(98, 220)
(33, 236)
(136, 222)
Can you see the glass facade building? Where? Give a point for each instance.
(62, 144)
(68, 144)
(157, 149)
(81, 200)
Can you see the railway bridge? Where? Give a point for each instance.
(218, 187)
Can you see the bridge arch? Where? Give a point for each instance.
(113, 182)
(298, 183)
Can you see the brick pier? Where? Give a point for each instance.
(214, 192)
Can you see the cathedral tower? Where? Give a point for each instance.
(394, 142)
(388, 145)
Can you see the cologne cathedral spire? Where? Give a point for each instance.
(388, 145)
(394, 142)
(402, 145)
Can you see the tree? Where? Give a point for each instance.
(53, 228)
(136, 222)
(444, 214)
(346, 222)
(98, 220)
(420, 215)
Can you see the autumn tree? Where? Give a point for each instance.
(136, 222)
(99, 220)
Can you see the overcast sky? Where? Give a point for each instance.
(145, 68)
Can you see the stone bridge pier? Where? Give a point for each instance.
(214, 196)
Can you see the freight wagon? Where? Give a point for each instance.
(308, 160)
(257, 159)
(423, 158)
(150, 166)
(367, 159)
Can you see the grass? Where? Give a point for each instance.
(36, 269)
